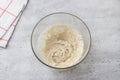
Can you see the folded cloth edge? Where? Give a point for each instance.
(19, 16)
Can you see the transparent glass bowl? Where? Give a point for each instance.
(60, 18)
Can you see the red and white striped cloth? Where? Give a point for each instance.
(10, 13)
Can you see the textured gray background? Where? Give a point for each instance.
(18, 62)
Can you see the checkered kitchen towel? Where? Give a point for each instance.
(10, 13)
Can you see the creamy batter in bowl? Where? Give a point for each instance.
(60, 40)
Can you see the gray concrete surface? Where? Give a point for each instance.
(18, 62)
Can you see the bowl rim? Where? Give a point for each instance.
(88, 50)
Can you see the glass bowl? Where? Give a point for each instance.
(60, 18)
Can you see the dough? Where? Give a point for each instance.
(63, 46)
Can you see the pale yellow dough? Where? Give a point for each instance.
(63, 46)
